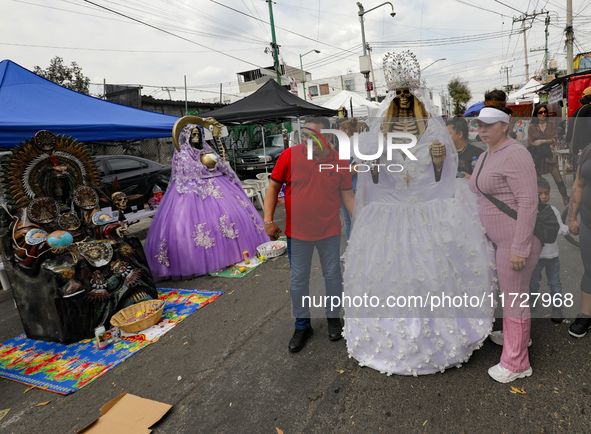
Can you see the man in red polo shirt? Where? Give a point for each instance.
(313, 190)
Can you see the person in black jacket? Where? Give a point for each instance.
(578, 135)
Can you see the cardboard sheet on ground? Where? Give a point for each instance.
(127, 414)
(67, 368)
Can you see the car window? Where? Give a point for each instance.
(121, 165)
(274, 140)
(101, 167)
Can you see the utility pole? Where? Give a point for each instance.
(168, 89)
(525, 51)
(507, 68)
(569, 37)
(545, 49)
(186, 101)
(373, 78)
(274, 43)
(364, 62)
(365, 73)
(523, 19)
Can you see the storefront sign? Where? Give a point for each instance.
(555, 94)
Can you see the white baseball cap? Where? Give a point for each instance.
(489, 115)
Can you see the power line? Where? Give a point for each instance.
(266, 22)
(117, 50)
(510, 7)
(451, 40)
(481, 8)
(172, 34)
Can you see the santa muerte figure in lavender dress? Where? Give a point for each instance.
(205, 220)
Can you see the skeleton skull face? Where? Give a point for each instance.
(196, 138)
(120, 199)
(405, 97)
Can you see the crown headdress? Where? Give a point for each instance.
(402, 70)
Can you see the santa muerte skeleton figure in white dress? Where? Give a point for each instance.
(417, 251)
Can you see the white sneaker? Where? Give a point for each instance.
(503, 375)
(498, 338)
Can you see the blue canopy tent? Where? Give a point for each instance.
(29, 103)
(474, 109)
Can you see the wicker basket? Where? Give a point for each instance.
(126, 320)
(272, 249)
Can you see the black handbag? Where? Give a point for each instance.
(547, 226)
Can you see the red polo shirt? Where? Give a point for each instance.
(312, 192)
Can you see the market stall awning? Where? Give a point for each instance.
(271, 103)
(348, 99)
(474, 109)
(29, 103)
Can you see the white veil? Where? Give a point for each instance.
(415, 183)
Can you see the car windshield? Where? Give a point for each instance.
(274, 140)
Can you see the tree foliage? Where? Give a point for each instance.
(70, 77)
(458, 90)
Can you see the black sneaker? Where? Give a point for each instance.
(299, 338)
(579, 327)
(335, 329)
(557, 316)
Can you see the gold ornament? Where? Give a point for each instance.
(208, 161)
(67, 273)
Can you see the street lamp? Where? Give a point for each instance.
(443, 58)
(302, 68)
(361, 13)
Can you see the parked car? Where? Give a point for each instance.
(255, 160)
(131, 171)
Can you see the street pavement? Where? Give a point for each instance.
(226, 369)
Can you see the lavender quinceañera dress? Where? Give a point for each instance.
(204, 221)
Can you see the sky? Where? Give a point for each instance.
(157, 43)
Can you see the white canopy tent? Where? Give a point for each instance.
(361, 106)
(526, 93)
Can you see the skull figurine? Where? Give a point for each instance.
(120, 200)
(405, 97)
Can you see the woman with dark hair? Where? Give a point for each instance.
(506, 172)
(458, 130)
(541, 135)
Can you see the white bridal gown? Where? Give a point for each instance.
(413, 236)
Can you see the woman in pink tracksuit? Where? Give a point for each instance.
(507, 172)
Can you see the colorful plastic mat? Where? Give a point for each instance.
(66, 368)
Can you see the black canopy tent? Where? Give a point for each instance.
(271, 103)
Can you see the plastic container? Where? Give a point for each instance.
(157, 192)
(474, 159)
(272, 249)
(101, 337)
(116, 334)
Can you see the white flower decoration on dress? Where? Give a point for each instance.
(202, 238)
(163, 253)
(228, 229)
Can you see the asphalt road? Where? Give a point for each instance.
(226, 368)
